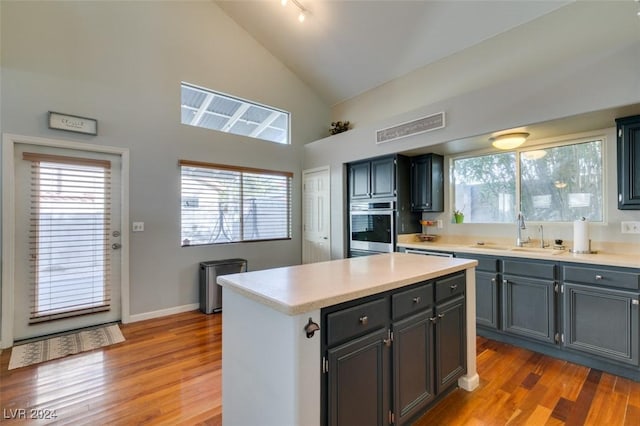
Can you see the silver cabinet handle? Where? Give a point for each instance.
(598, 277)
(440, 315)
(453, 286)
(493, 280)
(364, 320)
(416, 299)
(433, 319)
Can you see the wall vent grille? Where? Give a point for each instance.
(414, 127)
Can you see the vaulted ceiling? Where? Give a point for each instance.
(344, 48)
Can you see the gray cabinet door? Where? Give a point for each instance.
(358, 383)
(359, 183)
(602, 322)
(528, 308)
(412, 365)
(450, 343)
(629, 162)
(427, 183)
(487, 301)
(383, 177)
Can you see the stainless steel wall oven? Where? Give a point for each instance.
(372, 227)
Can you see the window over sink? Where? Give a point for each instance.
(551, 183)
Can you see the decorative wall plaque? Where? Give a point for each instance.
(421, 125)
(73, 123)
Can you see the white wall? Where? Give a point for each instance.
(571, 87)
(122, 63)
(577, 32)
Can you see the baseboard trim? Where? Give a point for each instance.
(163, 312)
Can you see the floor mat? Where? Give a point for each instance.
(58, 347)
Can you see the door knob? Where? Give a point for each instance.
(116, 246)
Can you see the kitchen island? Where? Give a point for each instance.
(272, 370)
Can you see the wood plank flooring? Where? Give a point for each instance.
(169, 372)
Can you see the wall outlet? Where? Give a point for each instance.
(137, 227)
(439, 224)
(630, 227)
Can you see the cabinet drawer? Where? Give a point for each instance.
(602, 276)
(357, 320)
(409, 301)
(529, 269)
(450, 286)
(489, 264)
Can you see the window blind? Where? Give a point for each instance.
(223, 204)
(68, 236)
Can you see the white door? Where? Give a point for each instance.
(316, 245)
(67, 239)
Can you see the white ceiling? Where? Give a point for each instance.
(347, 47)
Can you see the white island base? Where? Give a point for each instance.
(271, 371)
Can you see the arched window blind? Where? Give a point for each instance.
(69, 236)
(223, 204)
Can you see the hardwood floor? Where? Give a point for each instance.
(169, 372)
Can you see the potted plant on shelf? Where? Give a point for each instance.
(458, 216)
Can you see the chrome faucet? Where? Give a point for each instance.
(520, 225)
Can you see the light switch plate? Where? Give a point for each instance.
(137, 227)
(630, 227)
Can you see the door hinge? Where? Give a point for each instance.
(559, 337)
(558, 288)
(392, 417)
(325, 365)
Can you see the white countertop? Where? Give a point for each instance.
(294, 290)
(631, 260)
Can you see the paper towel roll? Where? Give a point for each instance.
(581, 236)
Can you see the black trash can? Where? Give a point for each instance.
(210, 291)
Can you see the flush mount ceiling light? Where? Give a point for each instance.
(509, 140)
(303, 12)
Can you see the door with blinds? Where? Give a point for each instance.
(67, 267)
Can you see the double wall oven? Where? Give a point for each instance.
(372, 227)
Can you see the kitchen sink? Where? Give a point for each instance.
(489, 247)
(537, 250)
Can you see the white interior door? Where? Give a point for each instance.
(66, 277)
(316, 246)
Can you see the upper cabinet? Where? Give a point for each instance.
(374, 178)
(427, 183)
(628, 132)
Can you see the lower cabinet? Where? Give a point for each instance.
(585, 313)
(600, 311)
(450, 344)
(391, 374)
(413, 367)
(487, 301)
(529, 308)
(487, 290)
(358, 391)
